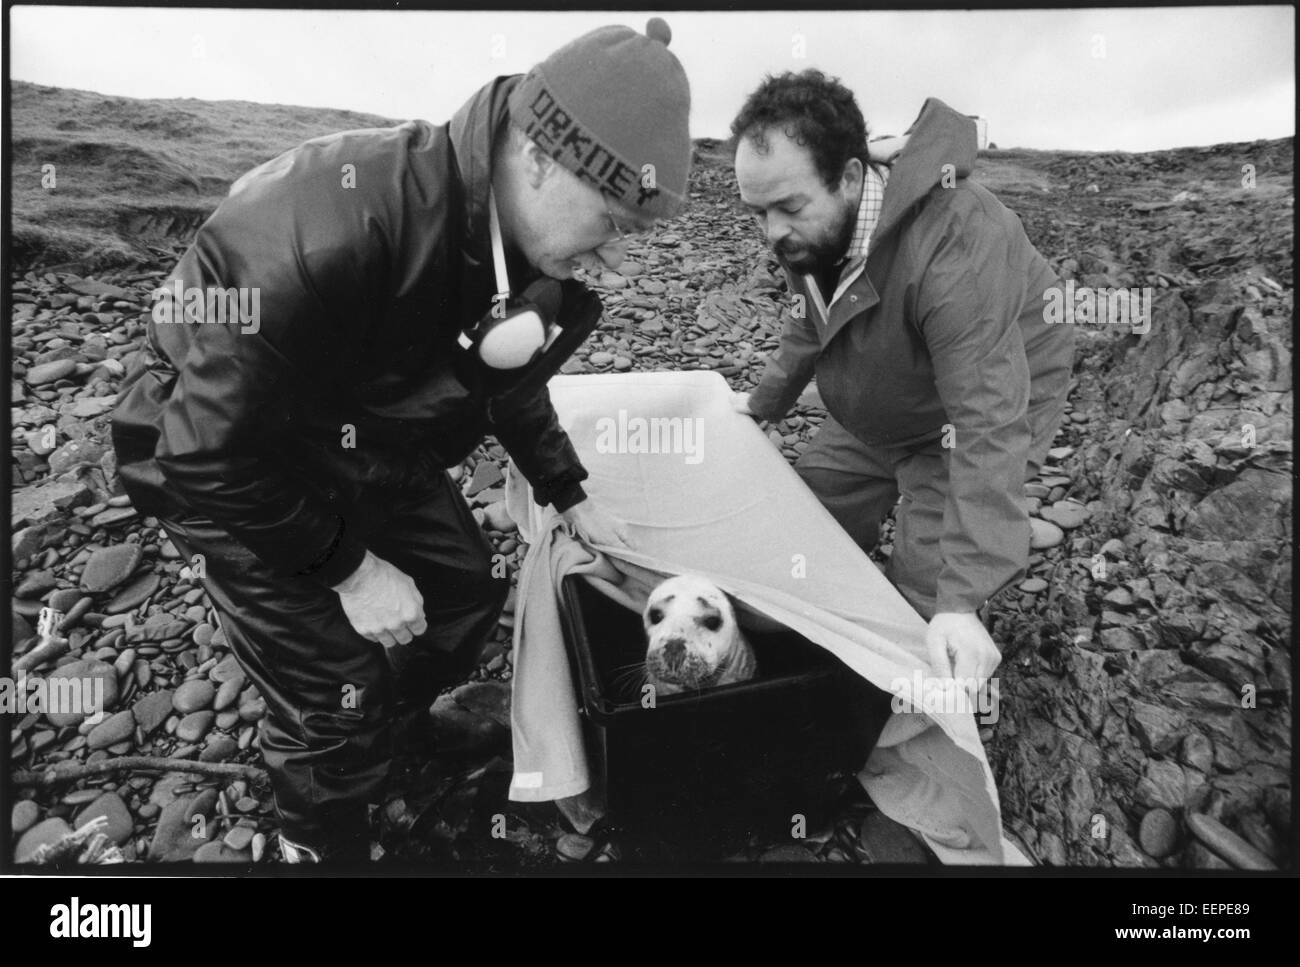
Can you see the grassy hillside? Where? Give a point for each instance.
(133, 178)
(133, 173)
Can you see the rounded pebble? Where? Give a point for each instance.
(195, 694)
(24, 816)
(1158, 833)
(1065, 514)
(194, 726)
(47, 832)
(112, 731)
(1043, 534)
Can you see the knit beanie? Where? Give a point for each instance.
(612, 107)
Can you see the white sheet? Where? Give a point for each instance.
(729, 507)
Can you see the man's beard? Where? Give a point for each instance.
(819, 256)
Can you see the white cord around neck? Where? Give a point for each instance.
(498, 247)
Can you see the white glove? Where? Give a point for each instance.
(740, 403)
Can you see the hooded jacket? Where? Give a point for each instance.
(943, 326)
(364, 254)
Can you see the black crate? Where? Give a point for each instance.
(725, 764)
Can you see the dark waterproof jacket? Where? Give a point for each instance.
(369, 251)
(944, 326)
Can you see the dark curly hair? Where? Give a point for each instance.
(816, 111)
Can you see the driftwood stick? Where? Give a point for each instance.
(54, 648)
(58, 774)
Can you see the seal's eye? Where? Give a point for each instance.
(713, 622)
(656, 616)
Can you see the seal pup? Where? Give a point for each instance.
(693, 640)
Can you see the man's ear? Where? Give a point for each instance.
(537, 164)
(852, 176)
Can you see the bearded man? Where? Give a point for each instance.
(918, 305)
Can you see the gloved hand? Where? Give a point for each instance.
(960, 647)
(740, 403)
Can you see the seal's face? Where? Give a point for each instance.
(694, 641)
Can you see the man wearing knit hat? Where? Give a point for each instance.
(415, 291)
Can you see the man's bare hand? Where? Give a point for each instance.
(382, 603)
(961, 648)
(594, 526)
(886, 149)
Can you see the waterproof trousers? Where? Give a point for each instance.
(332, 696)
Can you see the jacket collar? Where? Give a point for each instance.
(940, 136)
(473, 130)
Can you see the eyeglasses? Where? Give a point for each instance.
(609, 212)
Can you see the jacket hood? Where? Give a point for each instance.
(939, 136)
(473, 131)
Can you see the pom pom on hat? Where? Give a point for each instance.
(657, 28)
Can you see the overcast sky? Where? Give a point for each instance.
(1092, 79)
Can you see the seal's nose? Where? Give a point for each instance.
(674, 651)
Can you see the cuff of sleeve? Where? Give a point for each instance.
(763, 403)
(968, 603)
(562, 490)
(338, 562)
(568, 497)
